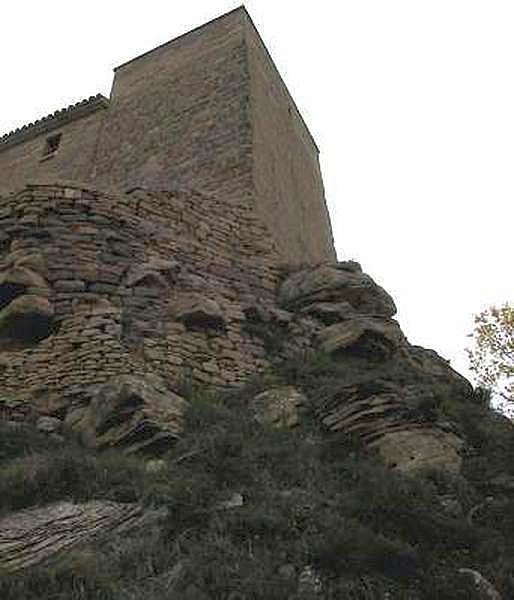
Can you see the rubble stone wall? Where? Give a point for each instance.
(142, 283)
(109, 303)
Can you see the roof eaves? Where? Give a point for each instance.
(53, 121)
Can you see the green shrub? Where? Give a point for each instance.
(309, 498)
(80, 575)
(71, 472)
(352, 547)
(19, 440)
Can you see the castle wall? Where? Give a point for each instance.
(286, 172)
(143, 283)
(24, 163)
(179, 115)
(207, 111)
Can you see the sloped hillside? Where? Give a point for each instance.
(352, 465)
(264, 496)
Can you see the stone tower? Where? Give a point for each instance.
(206, 111)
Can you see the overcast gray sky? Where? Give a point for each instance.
(411, 103)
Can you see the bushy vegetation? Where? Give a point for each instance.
(492, 355)
(37, 470)
(311, 503)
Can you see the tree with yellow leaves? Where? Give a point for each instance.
(492, 355)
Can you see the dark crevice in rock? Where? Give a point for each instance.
(25, 330)
(10, 291)
(130, 405)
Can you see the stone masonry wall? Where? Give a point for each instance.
(143, 283)
(110, 303)
(179, 115)
(206, 111)
(286, 170)
(24, 163)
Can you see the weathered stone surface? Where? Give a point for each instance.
(336, 283)
(428, 364)
(135, 413)
(157, 271)
(420, 450)
(116, 267)
(164, 286)
(265, 313)
(29, 259)
(365, 334)
(281, 406)
(33, 536)
(387, 419)
(22, 277)
(198, 311)
(329, 312)
(128, 322)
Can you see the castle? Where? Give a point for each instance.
(145, 235)
(206, 111)
(173, 239)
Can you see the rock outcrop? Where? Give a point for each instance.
(32, 536)
(389, 382)
(336, 283)
(280, 407)
(133, 413)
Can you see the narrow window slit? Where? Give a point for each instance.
(51, 145)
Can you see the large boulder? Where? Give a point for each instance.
(138, 414)
(339, 282)
(369, 335)
(279, 407)
(384, 418)
(420, 450)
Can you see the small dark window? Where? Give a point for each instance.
(51, 145)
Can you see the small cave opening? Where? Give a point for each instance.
(10, 291)
(23, 323)
(28, 330)
(371, 346)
